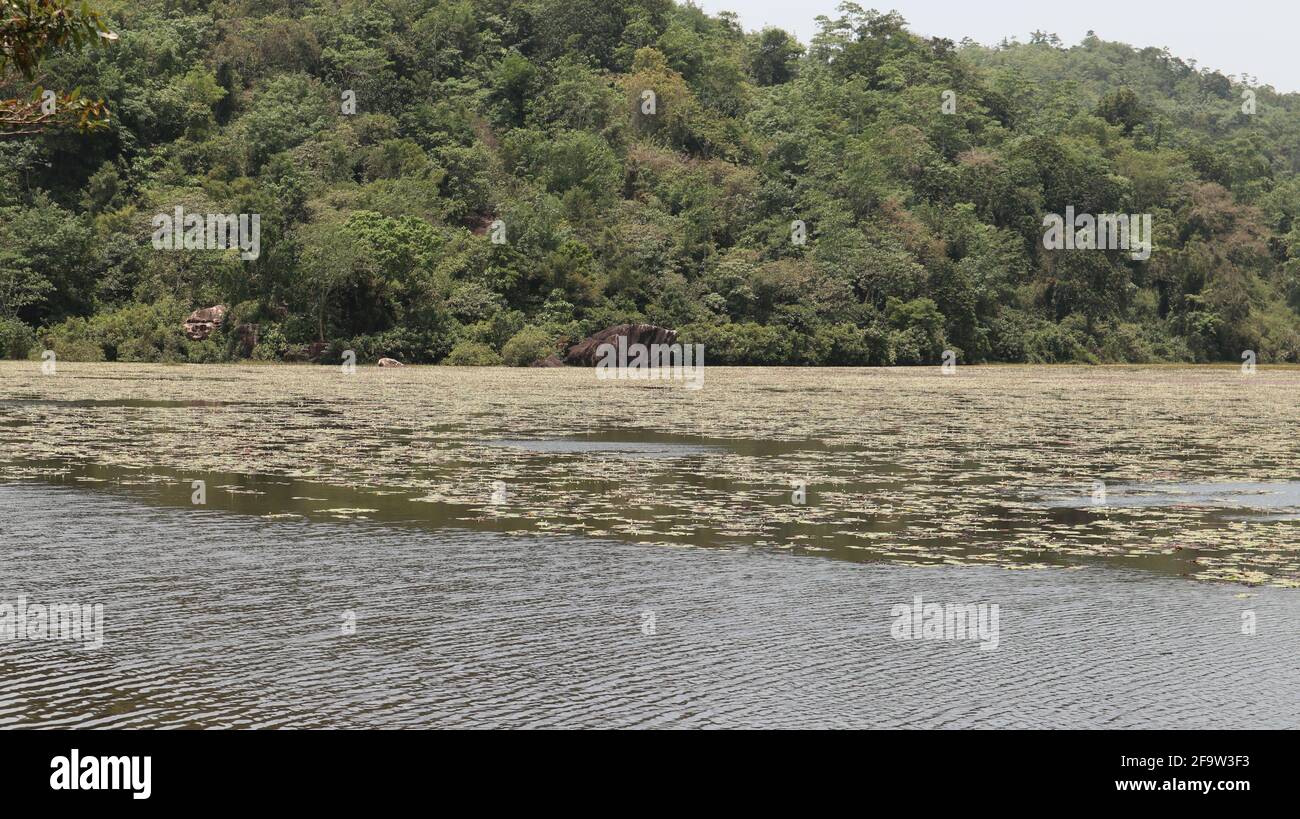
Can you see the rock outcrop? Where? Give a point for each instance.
(583, 354)
(203, 323)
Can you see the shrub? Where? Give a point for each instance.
(1054, 344)
(404, 344)
(849, 345)
(16, 339)
(136, 333)
(271, 345)
(71, 341)
(472, 354)
(205, 352)
(741, 343)
(528, 345)
(496, 331)
(917, 336)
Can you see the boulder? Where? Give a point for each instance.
(390, 362)
(583, 354)
(203, 323)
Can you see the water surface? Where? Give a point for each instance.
(990, 466)
(222, 620)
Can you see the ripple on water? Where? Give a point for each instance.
(219, 620)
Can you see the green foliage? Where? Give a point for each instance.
(46, 261)
(743, 343)
(31, 31)
(528, 345)
(922, 228)
(16, 339)
(473, 354)
(271, 345)
(916, 330)
(773, 57)
(291, 109)
(407, 345)
(146, 333)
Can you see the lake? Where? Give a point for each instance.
(537, 547)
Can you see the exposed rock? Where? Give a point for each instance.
(390, 362)
(549, 361)
(583, 354)
(203, 323)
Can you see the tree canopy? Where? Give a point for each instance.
(477, 181)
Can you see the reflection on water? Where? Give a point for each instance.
(907, 466)
(221, 620)
(276, 497)
(273, 497)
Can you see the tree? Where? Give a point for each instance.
(327, 264)
(30, 31)
(567, 165)
(1122, 107)
(47, 271)
(773, 57)
(20, 285)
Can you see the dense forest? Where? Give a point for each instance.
(485, 181)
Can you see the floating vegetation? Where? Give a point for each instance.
(989, 466)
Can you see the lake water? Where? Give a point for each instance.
(439, 546)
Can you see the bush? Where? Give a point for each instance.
(496, 331)
(850, 345)
(917, 336)
(71, 341)
(271, 346)
(135, 333)
(145, 350)
(16, 339)
(205, 352)
(741, 343)
(1054, 344)
(528, 345)
(472, 354)
(1008, 330)
(404, 344)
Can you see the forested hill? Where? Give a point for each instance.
(505, 184)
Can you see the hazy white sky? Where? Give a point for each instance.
(1232, 36)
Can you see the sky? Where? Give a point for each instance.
(1255, 37)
